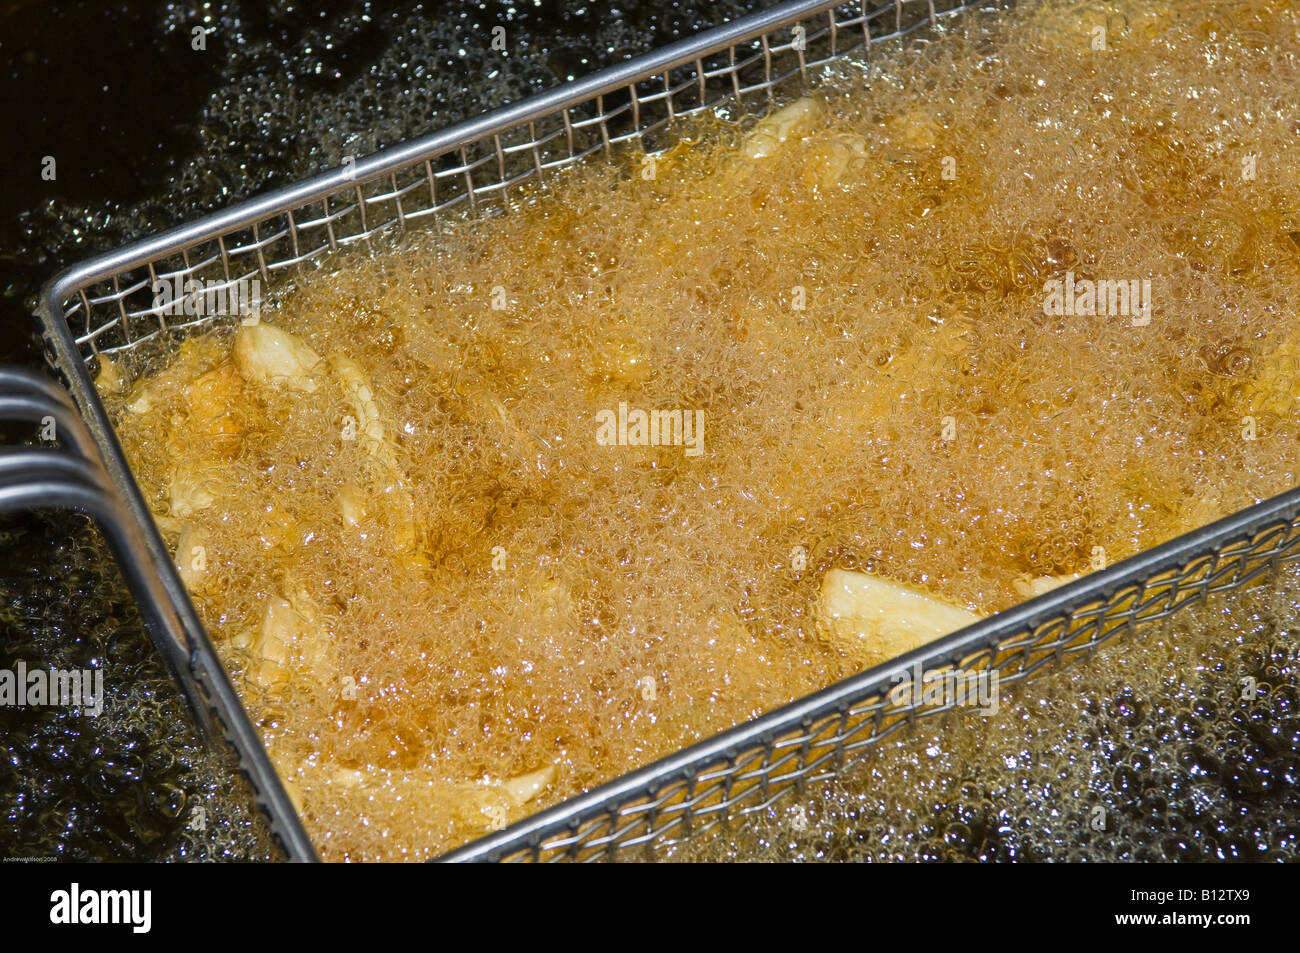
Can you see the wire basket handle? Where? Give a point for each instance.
(72, 476)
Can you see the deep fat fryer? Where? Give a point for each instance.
(105, 306)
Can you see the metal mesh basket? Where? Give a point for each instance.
(106, 306)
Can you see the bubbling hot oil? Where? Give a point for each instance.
(135, 782)
(858, 310)
(1183, 745)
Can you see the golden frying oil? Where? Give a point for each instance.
(858, 307)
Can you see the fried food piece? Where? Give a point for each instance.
(873, 620)
(266, 354)
(1275, 388)
(482, 806)
(292, 645)
(775, 130)
(1030, 587)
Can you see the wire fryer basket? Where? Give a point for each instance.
(105, 306)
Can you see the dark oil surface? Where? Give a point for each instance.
(134, 782)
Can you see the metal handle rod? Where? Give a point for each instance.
(59, 483)
(68, 425)
(75, 479)
(21, 380)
